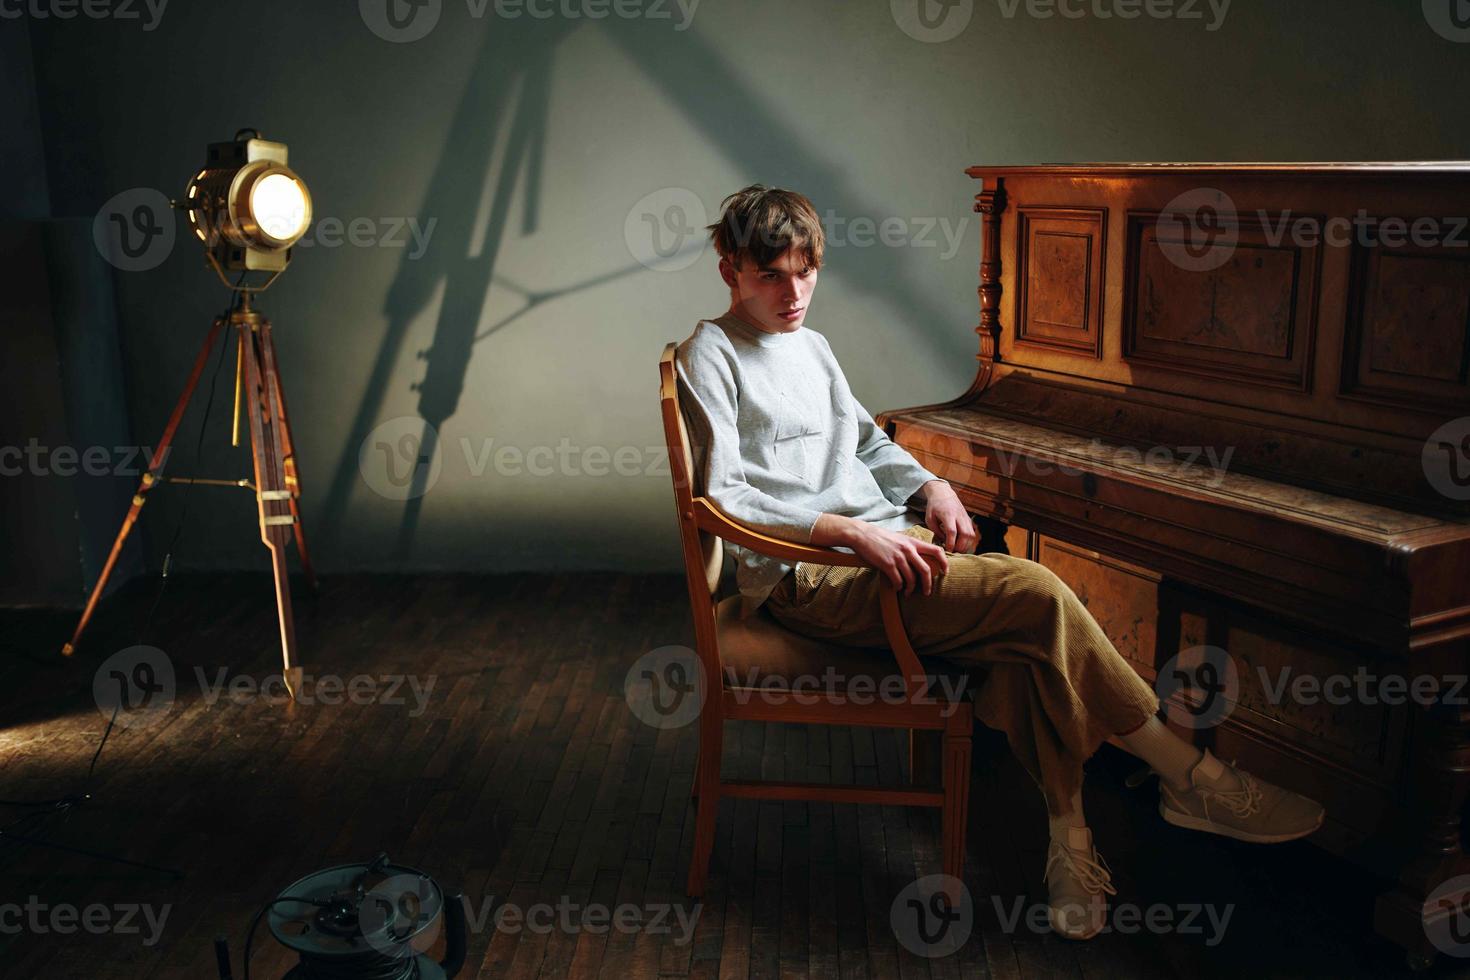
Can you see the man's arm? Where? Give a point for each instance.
(908, 563)
(934, 486)
(897, 474)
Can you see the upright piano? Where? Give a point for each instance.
(1229, 404)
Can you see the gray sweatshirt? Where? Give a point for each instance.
(779, 439)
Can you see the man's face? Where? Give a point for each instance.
(774, 297)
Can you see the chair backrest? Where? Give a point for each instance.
(704, 553)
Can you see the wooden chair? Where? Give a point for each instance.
(730, 647)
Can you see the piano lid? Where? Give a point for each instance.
(1241, 168)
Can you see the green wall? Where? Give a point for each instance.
(536, 147)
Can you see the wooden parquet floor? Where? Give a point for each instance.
(523, 778)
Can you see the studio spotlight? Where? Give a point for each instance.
(247, 208)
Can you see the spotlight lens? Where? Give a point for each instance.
(278, 204)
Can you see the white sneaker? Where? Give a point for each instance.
(1253, 810)
(1077, 880)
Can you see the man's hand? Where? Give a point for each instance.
(948, 519)
(906, 562)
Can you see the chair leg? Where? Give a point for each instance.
(707, 805)
(705, 812)
(956, 792)
(694, 787)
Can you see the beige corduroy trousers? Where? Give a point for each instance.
(1045, 673)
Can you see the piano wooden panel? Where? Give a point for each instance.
(1230, 405)
(1060, 304)
(1249, 318)
(1123, 598)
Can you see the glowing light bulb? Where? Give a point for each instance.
(278, 204)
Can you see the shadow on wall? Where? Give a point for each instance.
(509, 90)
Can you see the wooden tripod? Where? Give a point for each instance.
(276, 485)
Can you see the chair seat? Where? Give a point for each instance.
(757, 651)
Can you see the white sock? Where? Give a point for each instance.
(1166, 753)
(1211, 770)
(1062, 827)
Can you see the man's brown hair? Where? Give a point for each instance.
(761, 223)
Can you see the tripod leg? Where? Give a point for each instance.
(271, 495)
(150, 479)
(293, 478)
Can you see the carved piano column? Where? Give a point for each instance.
(990, 203)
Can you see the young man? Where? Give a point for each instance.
(782, 445)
